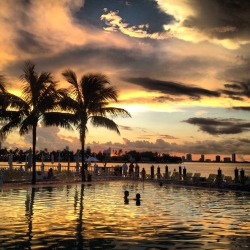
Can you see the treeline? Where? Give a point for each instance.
(65, 155)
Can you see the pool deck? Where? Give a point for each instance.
(235, 187)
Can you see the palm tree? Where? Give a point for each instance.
(86, 100)
(39, 95)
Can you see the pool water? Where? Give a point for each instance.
(96, 217)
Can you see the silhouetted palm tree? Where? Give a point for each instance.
(86, 100)
(39, 96)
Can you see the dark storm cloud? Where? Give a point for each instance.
(237, 90)
(165, 99)
(221, 18)
(244, 108)
(133, 12)
(172, 88)
(215, 126)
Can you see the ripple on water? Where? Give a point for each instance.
(95, 217)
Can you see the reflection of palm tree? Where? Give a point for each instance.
(87, 100)
(38, 97)
(29, 213)
(75, 198)
(79, 239)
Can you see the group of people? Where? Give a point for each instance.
(133, 171)
(137, 198)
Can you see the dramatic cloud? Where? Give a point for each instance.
(137, 14)
(227, 19)
(215, 126)
(170, 60)
(238, 90)
(173, 88)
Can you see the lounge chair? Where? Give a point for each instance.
(175, 176)
(196, 178)
(188, 178)
(210, 181)
(167, 176)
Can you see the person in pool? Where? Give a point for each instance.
(138, 199)
(126, 195)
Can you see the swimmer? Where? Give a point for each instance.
(126, 195)
(138, 199)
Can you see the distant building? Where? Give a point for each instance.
(189, 157)
(227, 159)
(217, 158)
(202, 159)
(183, 158)
(233, 157)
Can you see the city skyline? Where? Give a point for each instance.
(181, 68)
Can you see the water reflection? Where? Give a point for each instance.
(99, 217)
(79, 228)
(29, 203)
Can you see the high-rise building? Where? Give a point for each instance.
(189, 157)
(233, 157)
(202, 159)
(217, 158)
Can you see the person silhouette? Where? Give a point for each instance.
(50, 173)
(138, 199)
(126, 195)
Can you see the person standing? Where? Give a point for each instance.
(131, 170)
(125, 169)
(143, 174)
(137, 170)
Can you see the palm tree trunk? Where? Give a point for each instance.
(83, 156)
(34, 155)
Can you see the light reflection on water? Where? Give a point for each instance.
(95, 217)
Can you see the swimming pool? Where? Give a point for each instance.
(95, 217)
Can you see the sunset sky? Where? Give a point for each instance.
(182, 69)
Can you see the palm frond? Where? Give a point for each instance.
(2, 84)
(70, 76)
(65, 102)
(29, 79)
(64, 120)
(75, 90)
(115, 112)
(12, 124)
(27, 123)
(18, 103)
(100, 121)
(48, 99)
